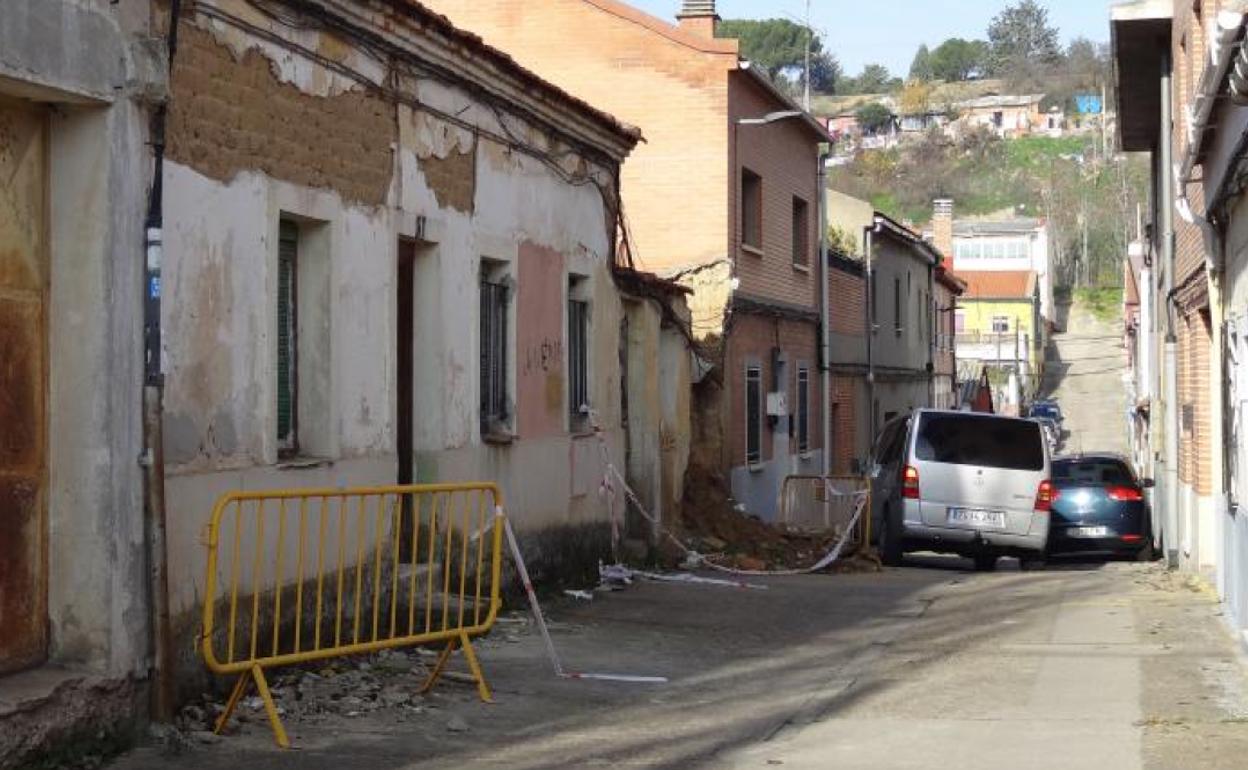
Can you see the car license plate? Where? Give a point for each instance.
(1091, 532)
(977, 517)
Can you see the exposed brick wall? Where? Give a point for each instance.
(675, 184)
(785, 155)
(229, 115)
(1195, 416)
(843, 395)
(752, 338)
(847, 300)
(1194, 334)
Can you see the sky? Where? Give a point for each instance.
(861, 32)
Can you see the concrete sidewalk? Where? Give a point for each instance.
(1105, 666)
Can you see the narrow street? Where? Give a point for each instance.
(1084, 366)
(1083, 666)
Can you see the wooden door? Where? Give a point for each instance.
(23, 384)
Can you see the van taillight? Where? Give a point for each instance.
(1045, 496)
(910, 482)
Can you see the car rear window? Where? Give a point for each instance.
(1104, 470)
(986, 441)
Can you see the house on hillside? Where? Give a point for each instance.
(1013, 244)
(1009, 115)
(723, 197)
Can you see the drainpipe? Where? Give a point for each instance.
(1170, 378)
(825, 332)
(152, 460)
(869, 237)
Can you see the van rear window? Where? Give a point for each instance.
(963, 439)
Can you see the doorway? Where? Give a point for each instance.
(23, 384)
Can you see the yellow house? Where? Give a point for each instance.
(997, 325)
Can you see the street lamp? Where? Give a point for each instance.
(770, 117)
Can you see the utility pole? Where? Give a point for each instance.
(810, 37)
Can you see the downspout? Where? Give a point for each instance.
(825, 310)
(1170, 450)
(152, 460)
(870, 327)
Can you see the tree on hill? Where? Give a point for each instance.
(779, 47)
(874, 79)
(1021, 40)
(921, 65)
(873, 117)
(957, 59)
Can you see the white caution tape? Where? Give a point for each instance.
(541, 625)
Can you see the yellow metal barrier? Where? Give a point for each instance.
(348, 571)
(826, 504)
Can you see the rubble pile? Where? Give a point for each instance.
(385, 685)
(715, 526)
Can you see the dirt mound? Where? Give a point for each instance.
(712, 524)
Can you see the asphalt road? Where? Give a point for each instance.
(1084, 367)
(930, 665)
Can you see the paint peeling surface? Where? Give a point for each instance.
(23, 578)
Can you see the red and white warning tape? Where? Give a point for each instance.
(545, 631)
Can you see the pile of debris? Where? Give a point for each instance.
(382, 685)
(716, 526)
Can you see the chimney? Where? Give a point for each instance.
(698, 17)
(942, 228)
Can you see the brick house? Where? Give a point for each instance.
(1164, 45)
(723, 196)
(1180, 99)
(848, 395)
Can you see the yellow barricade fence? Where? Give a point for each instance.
(304, 575)
(826, 504)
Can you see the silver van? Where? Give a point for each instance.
(961, 482)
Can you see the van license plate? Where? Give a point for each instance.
(977, 517)
(1091, 532)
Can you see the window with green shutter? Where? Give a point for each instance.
(287, 409)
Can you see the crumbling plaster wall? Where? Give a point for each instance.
(99, 167)
(460, 195)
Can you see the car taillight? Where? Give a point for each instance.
(1045, 496)
(1125, 494)
(910, 482)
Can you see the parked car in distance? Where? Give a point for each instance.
(1099, 507)
(960, 482)
(1052, 432)
(1049, 409)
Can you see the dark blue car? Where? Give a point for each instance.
(1099, 507)
(1048, 409)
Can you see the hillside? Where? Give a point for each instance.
(1085, 197)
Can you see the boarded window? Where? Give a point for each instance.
(803, 409)
(753, 414)
(578, 360)
(751, 209)
(801, 231)
(287, 339)
(494, 297)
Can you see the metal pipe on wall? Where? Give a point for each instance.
(1171, 380)
(825, 313)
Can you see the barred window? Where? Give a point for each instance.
(494, 299)
(753, 414)
(287, 339)
(578, 361)
(803, 409)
